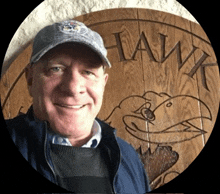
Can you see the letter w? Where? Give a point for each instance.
(177, 47)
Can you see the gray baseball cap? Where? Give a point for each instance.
(67, 31)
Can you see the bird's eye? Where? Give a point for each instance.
(147, 113)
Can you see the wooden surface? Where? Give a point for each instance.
(162, 95)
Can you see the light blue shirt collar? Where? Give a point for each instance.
(92, 143)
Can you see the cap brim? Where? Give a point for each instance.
(43, 51)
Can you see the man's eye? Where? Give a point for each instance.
(88, 73)
(56, 69)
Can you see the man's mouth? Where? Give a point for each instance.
(71, 106)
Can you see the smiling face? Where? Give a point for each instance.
(67, 87)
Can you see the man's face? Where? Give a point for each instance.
(67, 87)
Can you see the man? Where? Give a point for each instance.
(60, 135)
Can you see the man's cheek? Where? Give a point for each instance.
(40, 92)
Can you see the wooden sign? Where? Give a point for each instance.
(162, 95)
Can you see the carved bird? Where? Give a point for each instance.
(160, 118)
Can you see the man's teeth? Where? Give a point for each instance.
(75, 106)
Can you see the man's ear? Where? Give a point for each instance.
(106, 78)
(29, 76)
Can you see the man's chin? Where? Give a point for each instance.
(67, 126)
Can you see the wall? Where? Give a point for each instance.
(51, 11)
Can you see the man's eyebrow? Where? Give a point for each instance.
(51, 62)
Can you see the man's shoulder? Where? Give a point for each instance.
(127, 149)
(17, 125)
(123, 145)
(16, 121)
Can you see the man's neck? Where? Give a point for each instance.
(86, 140)
(78, 142)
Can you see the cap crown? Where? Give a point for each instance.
(67, 31)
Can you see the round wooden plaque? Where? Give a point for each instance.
(162, 95)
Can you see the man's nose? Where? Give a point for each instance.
(73, 84)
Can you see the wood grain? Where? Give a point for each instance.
(162, 95)
(207, 75)
(166, 77)
(14, 92)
